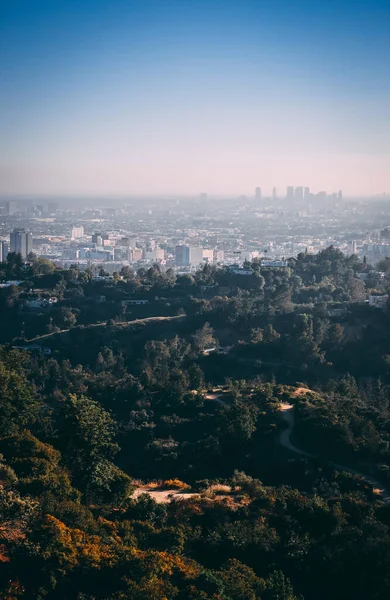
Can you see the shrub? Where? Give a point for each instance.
(175, 484)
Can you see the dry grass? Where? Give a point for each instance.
(219, 488)
(163, 496)
(138, 483)
(175, 484)
(301, 391)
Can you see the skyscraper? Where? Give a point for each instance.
(352, 247)
(299, 193)
(258, 193)
(3, 251)
(340, 194)
(307, 193)
(21, 242)
(182, 255)
(11, 207)
(274, 193)
(290, 192)
(52, 207)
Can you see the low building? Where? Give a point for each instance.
(274, 264)
(9, 283)
(35, 348)
(241, 271)
(136, 302)
(40, 303)
(378, 301)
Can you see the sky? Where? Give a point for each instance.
(129, 97)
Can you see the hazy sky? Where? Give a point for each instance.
(159, 96)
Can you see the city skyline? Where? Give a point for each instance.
(176, 97)
(10, 202)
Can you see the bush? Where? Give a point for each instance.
(175, 484)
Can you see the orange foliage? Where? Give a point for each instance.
(175, 484)
(14, 591)
(73, 547)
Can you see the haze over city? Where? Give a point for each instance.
(180, 97)
(194, 299)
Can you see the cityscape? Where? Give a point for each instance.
(186, 233)
(194, 300)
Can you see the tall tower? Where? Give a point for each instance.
(307, 193)
(21, 242)
(11, 207)
(3, 251)
(258, 193)
(290, 192)
(274, 194)
(299, 193)
(182, 255)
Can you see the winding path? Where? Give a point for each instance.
(285, 440)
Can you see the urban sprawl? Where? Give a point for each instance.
(184, 233)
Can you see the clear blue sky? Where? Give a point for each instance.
(150, 96)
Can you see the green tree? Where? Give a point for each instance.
(66, 317)
(18, 405)
(240, 420)
(240, 581)
(279, 588)
(87, 441)
(204, 338)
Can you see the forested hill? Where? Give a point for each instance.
(119, 391)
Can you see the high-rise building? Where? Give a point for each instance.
(11, 207)
(136, 254)
(99, 238)
(196, 255)
(77, 232)
(182, 255)
(258, 193)
(352, 247)
(340, 194)
(298, 193)
(274, 193)
(153, 254)
(290, 192)
(21, 242)
(3, 251)
(307, 193)
(52, 207)
(208, 255)
(219, 256)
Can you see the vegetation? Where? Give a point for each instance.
(96, 401)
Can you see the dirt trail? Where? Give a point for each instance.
(216, 397)
(285, 440)
(123, 324)
(163, 496)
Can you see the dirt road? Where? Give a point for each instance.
(285, 440)
(123, 324)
